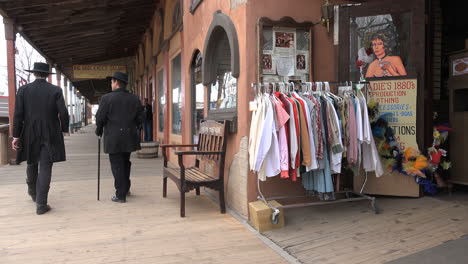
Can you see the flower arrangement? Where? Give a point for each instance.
(438, 155)
(364, 58)
(411, 162)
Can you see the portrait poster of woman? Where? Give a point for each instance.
(380, 46)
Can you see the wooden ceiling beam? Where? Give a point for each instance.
(61, 27)
(95, 40)
(76, 55)
(69, 37)
(136, 28)
(74, 22)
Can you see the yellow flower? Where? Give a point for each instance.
(446, 165)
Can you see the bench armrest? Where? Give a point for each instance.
(177, 145)
(198, 152)
(164, 146)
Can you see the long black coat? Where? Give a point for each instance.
(40, 118)
(120, 114)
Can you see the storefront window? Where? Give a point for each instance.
(223, 92)
(162, 100)
(176, 16)
(198, 100)
(194, 4)
(176, 95)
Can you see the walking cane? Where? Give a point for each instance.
(99, 167)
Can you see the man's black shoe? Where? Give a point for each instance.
(42, 209)
(118, 200)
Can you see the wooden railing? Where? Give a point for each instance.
(4, 130)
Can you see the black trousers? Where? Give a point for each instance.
(120, 165)
(38, 177)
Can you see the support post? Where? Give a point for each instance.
(10, 36)
(59, 78)
(72, 110)
(65, 97)
(49, 78)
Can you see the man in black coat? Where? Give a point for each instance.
(148, 122)
(40, 119)
(120, 116)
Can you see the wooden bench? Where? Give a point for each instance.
(208, 171)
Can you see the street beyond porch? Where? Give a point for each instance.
(147, 229)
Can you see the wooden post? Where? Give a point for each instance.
(49, 78)
(59, 78)
(65, 97)
(10, 36)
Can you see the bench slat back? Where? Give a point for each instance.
(212, 137)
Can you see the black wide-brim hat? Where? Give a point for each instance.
(41, 67)
(123, 77)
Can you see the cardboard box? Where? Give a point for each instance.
(260, 216)
(391, 183)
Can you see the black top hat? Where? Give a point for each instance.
(41, 67)
(123, 77)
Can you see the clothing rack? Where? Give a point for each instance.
(350, 195)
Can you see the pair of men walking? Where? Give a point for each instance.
(41, 117)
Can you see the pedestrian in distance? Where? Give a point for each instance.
(148, 123)
(119, 118)
(40, 119)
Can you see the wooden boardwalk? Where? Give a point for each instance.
(351, 233)
(147, 229)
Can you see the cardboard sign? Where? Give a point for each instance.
(96, 71)
(398, 97)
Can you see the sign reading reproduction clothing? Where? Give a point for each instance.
(96, 71)
(398, 97)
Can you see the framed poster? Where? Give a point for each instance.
(380, 45)
(284, 50)
(386, 40)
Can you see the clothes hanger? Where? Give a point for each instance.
(318, 88)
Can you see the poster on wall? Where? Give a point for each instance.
(380, 46)
(284, 42)
(285, 53)
(285, 66)
(302, 62)
(460, 66)
(268, 63)
(398, 97)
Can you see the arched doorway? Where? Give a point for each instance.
(221, 69)
(198, 94)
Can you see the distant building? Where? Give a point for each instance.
(3, 109)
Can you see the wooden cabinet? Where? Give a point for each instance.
(458, 88)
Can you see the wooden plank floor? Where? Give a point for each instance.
(351, 233)
(147, 229)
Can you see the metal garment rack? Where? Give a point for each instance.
(348, 193)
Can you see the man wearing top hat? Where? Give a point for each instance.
(40, 119)
(119, 117)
